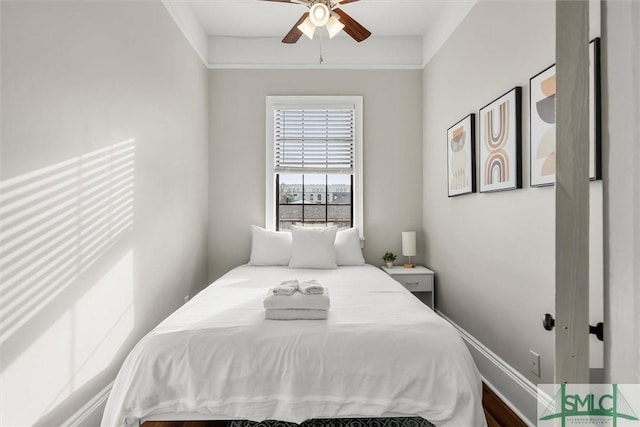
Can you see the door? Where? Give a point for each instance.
(572, 193)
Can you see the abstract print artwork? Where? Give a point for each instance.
(542, 128)
(500, 143)
(461, 157)
(542, 125)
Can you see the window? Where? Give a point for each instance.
(314, 161)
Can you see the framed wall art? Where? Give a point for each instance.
(542, 122)
(542, 128)
(500, 143)
(461, 157)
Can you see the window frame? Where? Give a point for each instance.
(277, 102)
(327, 204)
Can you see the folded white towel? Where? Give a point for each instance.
(288, 287)
(293, 282)
(310, 287)
(275, 314)
(297, 300)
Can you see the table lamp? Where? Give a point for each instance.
(409, 246)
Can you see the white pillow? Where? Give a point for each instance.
(269, 247)
(348, 251)
(313, 247)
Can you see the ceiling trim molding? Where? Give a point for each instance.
(394, 53)
(339, 53)
(188, 23)
(262, 66)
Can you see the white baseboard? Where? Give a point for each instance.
(90, 415)
(513, 388)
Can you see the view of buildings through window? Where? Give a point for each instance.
(314, 199)
(314, 171)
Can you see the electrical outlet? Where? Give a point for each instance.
(186, 298)
(534, 363)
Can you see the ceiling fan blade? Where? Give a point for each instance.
(294, 34)
(342, 1)
(352, 27)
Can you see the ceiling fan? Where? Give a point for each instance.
(324, 13)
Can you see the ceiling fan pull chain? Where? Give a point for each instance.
(320, 34)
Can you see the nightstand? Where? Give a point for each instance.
(418, 280)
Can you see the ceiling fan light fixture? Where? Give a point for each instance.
(334, 26)
(307, 28)
(319, 14)
(323, 13)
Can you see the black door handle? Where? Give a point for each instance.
(597, 330)
(548, 322)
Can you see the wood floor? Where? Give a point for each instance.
(497, 412)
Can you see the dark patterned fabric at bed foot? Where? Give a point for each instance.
(345, 422)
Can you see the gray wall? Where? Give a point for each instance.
(392, 154)
(621, 27)
(103, 193)
(493, 253)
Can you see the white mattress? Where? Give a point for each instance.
(380, 353)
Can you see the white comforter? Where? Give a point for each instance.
(380, 353)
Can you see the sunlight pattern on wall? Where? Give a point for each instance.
(55, 222)
(66, 277)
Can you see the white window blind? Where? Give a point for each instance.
(313, 140)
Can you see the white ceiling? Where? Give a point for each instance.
(391, 22)
(258, 18)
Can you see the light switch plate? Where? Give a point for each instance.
(534, 363)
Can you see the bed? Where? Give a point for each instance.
(381, 353)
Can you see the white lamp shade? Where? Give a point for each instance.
(334, 26)
(307, 28)
(319, 14)
(409, 243)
